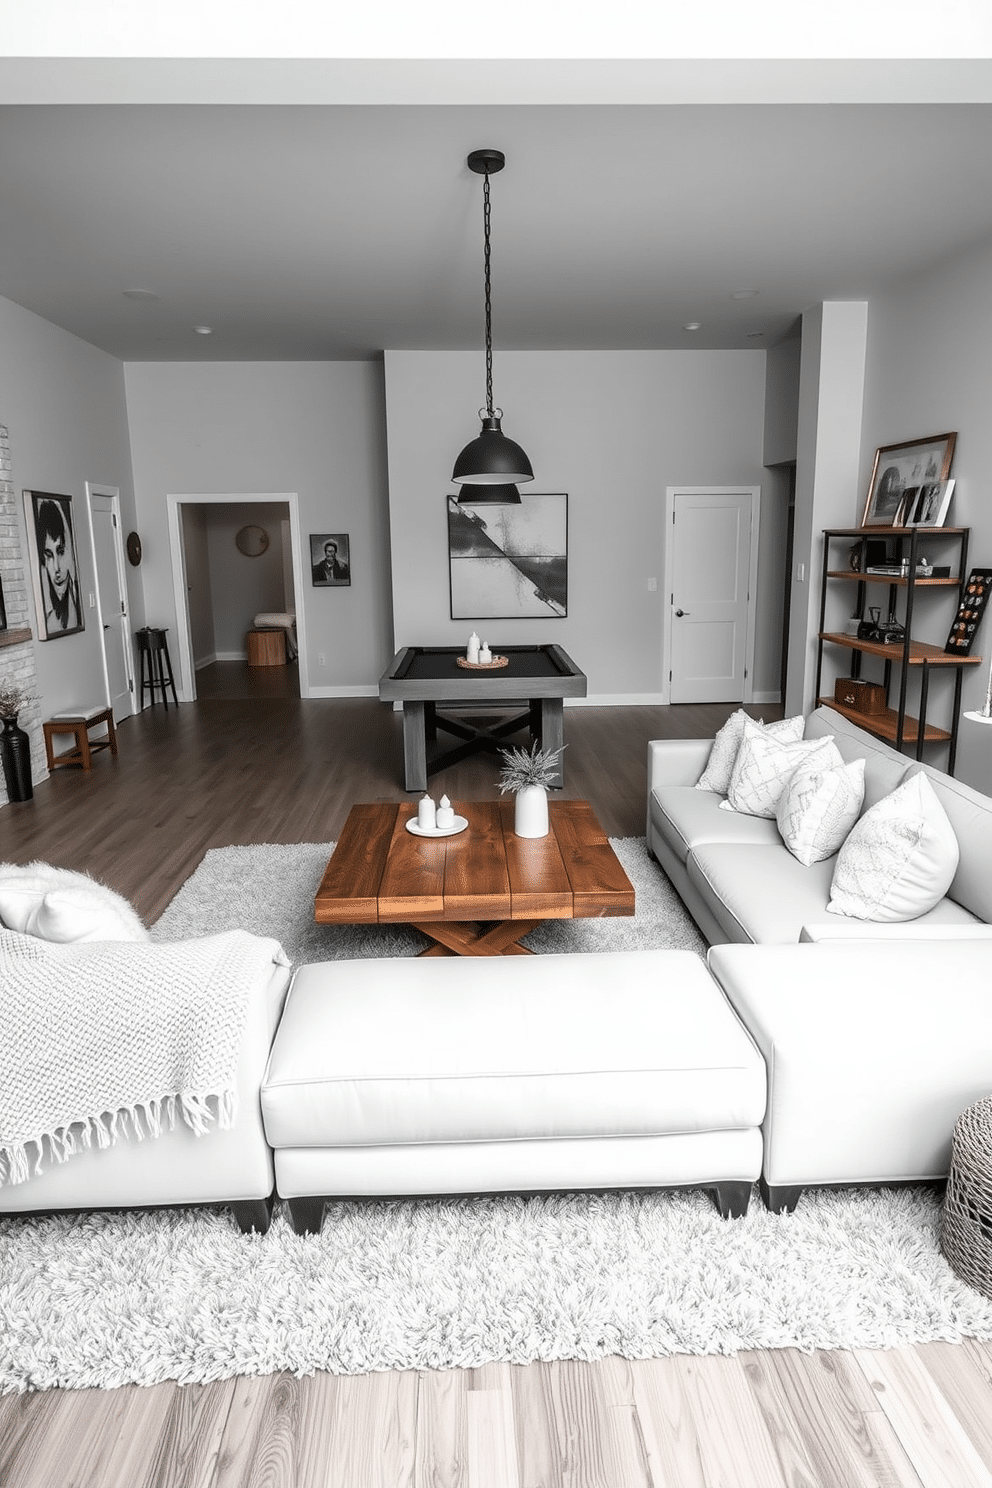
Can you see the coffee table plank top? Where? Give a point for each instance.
(349, 890)
(380, 872)
(600, 887)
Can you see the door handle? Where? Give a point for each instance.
(680, 613)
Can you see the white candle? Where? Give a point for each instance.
(485, 655)
(445, 813)
(426, 814)
(472, 653)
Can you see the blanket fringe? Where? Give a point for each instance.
(148, 1118)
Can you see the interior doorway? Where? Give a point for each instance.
(104, 508)
(234, 555)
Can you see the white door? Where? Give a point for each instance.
(710, 567)
(108, 549)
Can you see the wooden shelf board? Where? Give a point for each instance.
(885, 725)
(14, 637)
(919, 651)
(893, 531)
(866, 578)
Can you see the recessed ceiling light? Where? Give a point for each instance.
(755, 335)
(204, 330)
(140, 294)
(693, 325)
(744, 294)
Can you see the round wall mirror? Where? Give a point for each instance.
(251, 540)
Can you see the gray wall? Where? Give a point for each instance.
(316, 428)
(929, 371)
(63, 403)
(612, 429)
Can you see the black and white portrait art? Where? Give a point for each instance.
(54, 569)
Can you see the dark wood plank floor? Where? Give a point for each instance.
(251, 761)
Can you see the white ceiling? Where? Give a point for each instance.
(321, 231)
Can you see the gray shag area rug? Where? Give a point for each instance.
(270, 889)
(109, 1299)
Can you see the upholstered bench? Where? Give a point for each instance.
(393, 1077)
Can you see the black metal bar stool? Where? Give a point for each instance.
(156, 668)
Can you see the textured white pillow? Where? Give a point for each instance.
(899, 859)
(763, 767)
(57, 904)
(720, 765)
(819, 806)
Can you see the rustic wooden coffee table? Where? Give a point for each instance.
(477, 893)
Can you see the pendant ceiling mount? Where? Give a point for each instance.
(490, 466)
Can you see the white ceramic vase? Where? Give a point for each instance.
(530, 816)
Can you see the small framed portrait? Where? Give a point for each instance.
(928, 508)
(899, 474)
(54, 569)
(330, 559)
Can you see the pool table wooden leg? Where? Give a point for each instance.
(553, 733)
(414, 747)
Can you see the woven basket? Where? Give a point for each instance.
(966, 1219)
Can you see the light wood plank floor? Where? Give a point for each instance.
(251, 762)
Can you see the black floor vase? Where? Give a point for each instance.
(15, 752)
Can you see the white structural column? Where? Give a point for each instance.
(828, 468)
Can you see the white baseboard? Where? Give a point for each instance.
(349, 689)
(231, 656)
(205, 662)
(616, 700)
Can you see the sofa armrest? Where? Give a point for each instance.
(900, 930)
(676, 761)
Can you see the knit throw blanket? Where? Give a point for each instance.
(106, 1040)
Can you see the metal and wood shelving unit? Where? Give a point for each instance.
(895, 725)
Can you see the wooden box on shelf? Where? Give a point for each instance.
(864, 697)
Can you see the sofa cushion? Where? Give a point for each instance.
(720, 765)
(970, 814)
(759, 893)
(60, 905)
(423, 1051)
(884, 768)
(763, 767)
(899, 860)
(818, 808)
(686, 818)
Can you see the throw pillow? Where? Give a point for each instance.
(720, 765)
(57, 904)
(763, 767)
(819, 806)
(899, 859)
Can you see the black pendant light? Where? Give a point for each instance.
(490, 466)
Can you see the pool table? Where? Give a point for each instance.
(427, 680)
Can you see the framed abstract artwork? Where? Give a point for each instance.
(54, 570)
(509, 562)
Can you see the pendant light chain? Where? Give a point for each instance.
(489, 305)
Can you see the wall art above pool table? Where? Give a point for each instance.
(509, 562)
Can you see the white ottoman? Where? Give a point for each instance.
(486, 1074)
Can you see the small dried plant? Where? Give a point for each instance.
(13, 698)
(534, 767)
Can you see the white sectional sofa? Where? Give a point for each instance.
(875, 1036)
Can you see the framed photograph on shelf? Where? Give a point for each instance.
(928, 507)
(54, 570)
(899, 473)
(330, 559)
(970, 611)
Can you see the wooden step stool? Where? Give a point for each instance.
(79, 724)
(266, 648)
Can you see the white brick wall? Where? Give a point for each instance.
(17, 662)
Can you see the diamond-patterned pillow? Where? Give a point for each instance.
(763, 767)
(720, 765)
(819, 806)
(899, 859)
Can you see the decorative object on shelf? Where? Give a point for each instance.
(974, 598)
(491, 465)
(901, 469)
(512, 563)
(863, 697)
(15, 743)
(494, 665)
(929, 507)
(54, 571)
(891, 632)
(133, 547)
(529, 775)
(251, 540)
(868, 629)
(330, 559)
